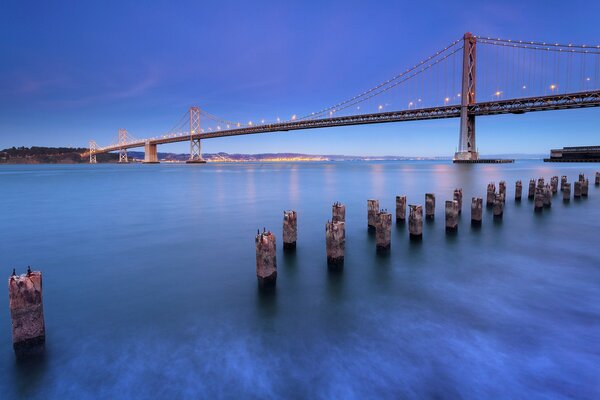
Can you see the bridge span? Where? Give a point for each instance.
(466, 108)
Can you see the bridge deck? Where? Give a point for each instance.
(510, 106)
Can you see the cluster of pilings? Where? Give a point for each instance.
(380, 220)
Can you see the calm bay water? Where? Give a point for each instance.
(150, 288)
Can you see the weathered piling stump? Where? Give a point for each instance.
(577, 189)
(597, 181)
(429, 205)
(476, 210)
(415, 221)
(335, 243)
(547, 196)
(400, 208)
(563, 180)
(383, 232)
(290, 230)
(502, 189)
(566, 191)
(581, 177)
(458, 196)
(554, 184)
(27, 313)
(372, 211)
(518, 190)
(498, 207)
(338, 212)
(531, 192)
(451, 216)
(266, 261)
(541, 183)
(584, 188)
(538, 199)
(491, 194)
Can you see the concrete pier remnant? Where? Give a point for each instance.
(415, 221)
(502, 189)
(372, 211)
(538, 198)
(554, 184)
(547, 196)
(597, 181)
(383, 231)
(498, 207)
(531, 192)
(338, 212)
(400, 208)
(563, 180)
(458, 196)
(27, 313)
(335, 243)
(566, 191)
(491, 194)
(266, 261)
(476, 210)
(429, 205)
(518, 190)
(584, 188)
(290, 230)
(451, 216)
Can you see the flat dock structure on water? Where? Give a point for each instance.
(484, 161)
(575, 154)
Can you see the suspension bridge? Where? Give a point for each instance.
(506, 76)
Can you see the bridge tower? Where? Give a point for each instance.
(195, 146)
(467, 149)
(93, 148)
(122, 142)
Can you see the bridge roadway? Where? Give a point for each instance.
(510, 106)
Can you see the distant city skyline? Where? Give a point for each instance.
(74, 72)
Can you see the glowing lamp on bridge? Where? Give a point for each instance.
(294, 117)
(380, 107)
(250, 123)
(552, 87)
(446, 100)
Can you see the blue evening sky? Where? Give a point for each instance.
(71, 71)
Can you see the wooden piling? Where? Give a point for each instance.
(372, 211)
(400, 208)
(476, 210)
(451, 216)
(335, 243)
(498, 207)
(584, 188)
(518, 190)
(566, 191)
(547, 196)
(491, 194)
(554, 184)
(266, 261)
(27, 313)
(597, 181)
(338, 212)
(383, 232)
(531, 192)
(290, 230)
(429, 205)
(538, 198)
(577, 189)
(458, 196)
(502, 189)
(563, 180)
(415, 221)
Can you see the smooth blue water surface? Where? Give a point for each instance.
(150, 288)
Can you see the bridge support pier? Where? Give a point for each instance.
(150, 153)
(467, 151)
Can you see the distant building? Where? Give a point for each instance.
(575, 154)
(4, 157)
